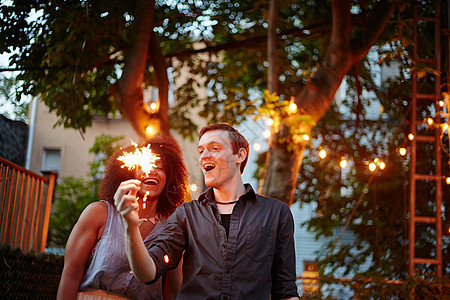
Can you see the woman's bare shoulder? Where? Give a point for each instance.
(95, 212)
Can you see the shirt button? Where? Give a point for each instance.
(227, 271)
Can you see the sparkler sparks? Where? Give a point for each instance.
(145, 199)
(142, 158)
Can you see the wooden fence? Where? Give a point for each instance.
(25, 204)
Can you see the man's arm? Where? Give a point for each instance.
(140, 261)
(283, 266)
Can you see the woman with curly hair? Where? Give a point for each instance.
(95, 262)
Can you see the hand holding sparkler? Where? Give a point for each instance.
(125, 200)
(142, 158)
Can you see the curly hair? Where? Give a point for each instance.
(175, 189)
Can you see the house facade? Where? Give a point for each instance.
(66, 150)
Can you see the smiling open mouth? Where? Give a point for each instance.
(150, 181)
(208, 167)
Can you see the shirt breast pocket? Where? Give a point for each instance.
(259, 243)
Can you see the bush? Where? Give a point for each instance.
(71, 198)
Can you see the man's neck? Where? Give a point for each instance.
(229, 193)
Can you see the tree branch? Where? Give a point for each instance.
(162, 80)
(368, 36)
(128, 89)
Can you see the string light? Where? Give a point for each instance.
(152, 127)
(343, 163)
(322, 154)
(377, 163)
(292, 108)
(153, 107)
(149, 129)
(402, 151)
(193, 187)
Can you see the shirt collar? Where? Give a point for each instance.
(208, 195)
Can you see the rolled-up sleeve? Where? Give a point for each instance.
(283, 267)
(167, 250)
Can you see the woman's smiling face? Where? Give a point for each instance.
(154, 182)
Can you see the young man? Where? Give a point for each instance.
(235, 244)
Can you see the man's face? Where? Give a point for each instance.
(154, 182)
(218, 163)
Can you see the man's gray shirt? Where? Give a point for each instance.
(257, 259)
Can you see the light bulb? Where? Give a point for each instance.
(292, 107)
(322, 154)
(256, 146)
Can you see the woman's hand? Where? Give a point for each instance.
(125, 201)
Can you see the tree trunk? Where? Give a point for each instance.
(272, 38)
(128, 89)
(283, 165)
(280, 179)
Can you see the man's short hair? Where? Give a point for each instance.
(237, 140)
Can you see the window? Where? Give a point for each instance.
(51, 160)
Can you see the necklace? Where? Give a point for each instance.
(227, 203)
(152, 219)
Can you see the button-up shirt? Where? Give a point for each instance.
(257, 259)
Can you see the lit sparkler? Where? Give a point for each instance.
(144, 199)
(142, 158)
